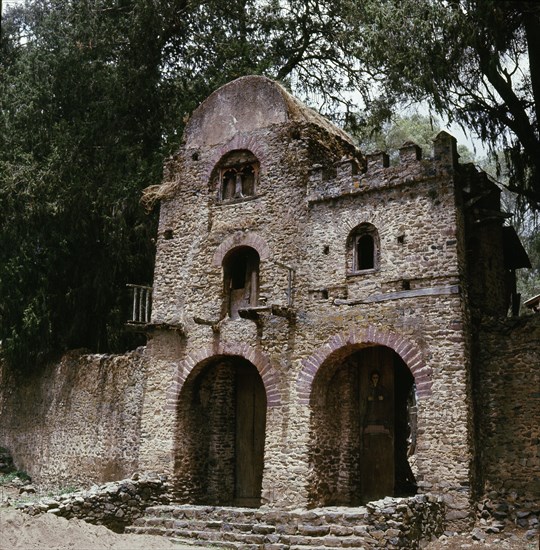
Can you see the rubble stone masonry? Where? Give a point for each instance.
(289, 269)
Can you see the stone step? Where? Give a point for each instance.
(230, 526)
(245, 539)
(389, 523)
(335, 515)
(180, 525)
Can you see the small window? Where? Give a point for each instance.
(365, 252)
(237, 176)
(363, 249)
(240, 280)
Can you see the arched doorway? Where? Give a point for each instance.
(362, 406)
(220, 436)
(240, 280)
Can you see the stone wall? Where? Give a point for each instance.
(115, 505)
(164, 409)
(507, 387)
(308, 200)
(77, 421)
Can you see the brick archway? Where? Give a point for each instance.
(260, 361)
(238, 142)
(241, 238)
(409, 351)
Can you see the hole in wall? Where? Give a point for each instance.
(168, 234)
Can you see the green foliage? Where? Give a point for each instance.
(391, 135)
(477, 62)
(81, 138)
(6, 479)
(94, 95)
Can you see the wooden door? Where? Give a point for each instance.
(377, 413)
(250, 432)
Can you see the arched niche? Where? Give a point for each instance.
(363, 421)
(363, 249)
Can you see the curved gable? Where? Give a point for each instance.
(244, 105)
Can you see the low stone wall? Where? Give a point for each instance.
(75, 422)
(386, 523)
(114, 505)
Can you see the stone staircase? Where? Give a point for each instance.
(387, 523)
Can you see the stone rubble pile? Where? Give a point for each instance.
(499, 509)
(115, 504)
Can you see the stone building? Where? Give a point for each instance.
(325, 330)
(313, 311)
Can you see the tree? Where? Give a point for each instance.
(391, 135)
(526, 222)
(81, 135)
(476, 62)
(93, 97)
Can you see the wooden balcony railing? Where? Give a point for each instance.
(142, 304)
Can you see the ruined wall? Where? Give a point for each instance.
(507, 380)
(75, 422)
(100, 417)
(115, 504)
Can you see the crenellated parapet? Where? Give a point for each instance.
(411, 167)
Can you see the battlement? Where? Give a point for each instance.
(349, 180)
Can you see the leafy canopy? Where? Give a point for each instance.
(475, 62)
(94, 95)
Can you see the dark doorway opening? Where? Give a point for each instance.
(240, 280)
(362, 418)
(221, 432)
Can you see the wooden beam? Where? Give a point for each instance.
(430, 291)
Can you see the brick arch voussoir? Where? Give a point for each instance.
(409, 352)
(238, 142)
(261, 362)
(241, 238)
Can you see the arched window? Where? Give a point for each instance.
(240, 280)
(363, 249)
(365, 252)
(237, 175)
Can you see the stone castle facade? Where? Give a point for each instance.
(316, 334)
(312, 311)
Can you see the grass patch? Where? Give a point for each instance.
(8, 478)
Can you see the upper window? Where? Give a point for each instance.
(237, 174)
(363, 249)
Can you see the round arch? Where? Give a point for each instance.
(202, 355)
(410, 353)
(241, 238)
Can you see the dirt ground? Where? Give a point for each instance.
(20, 531)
